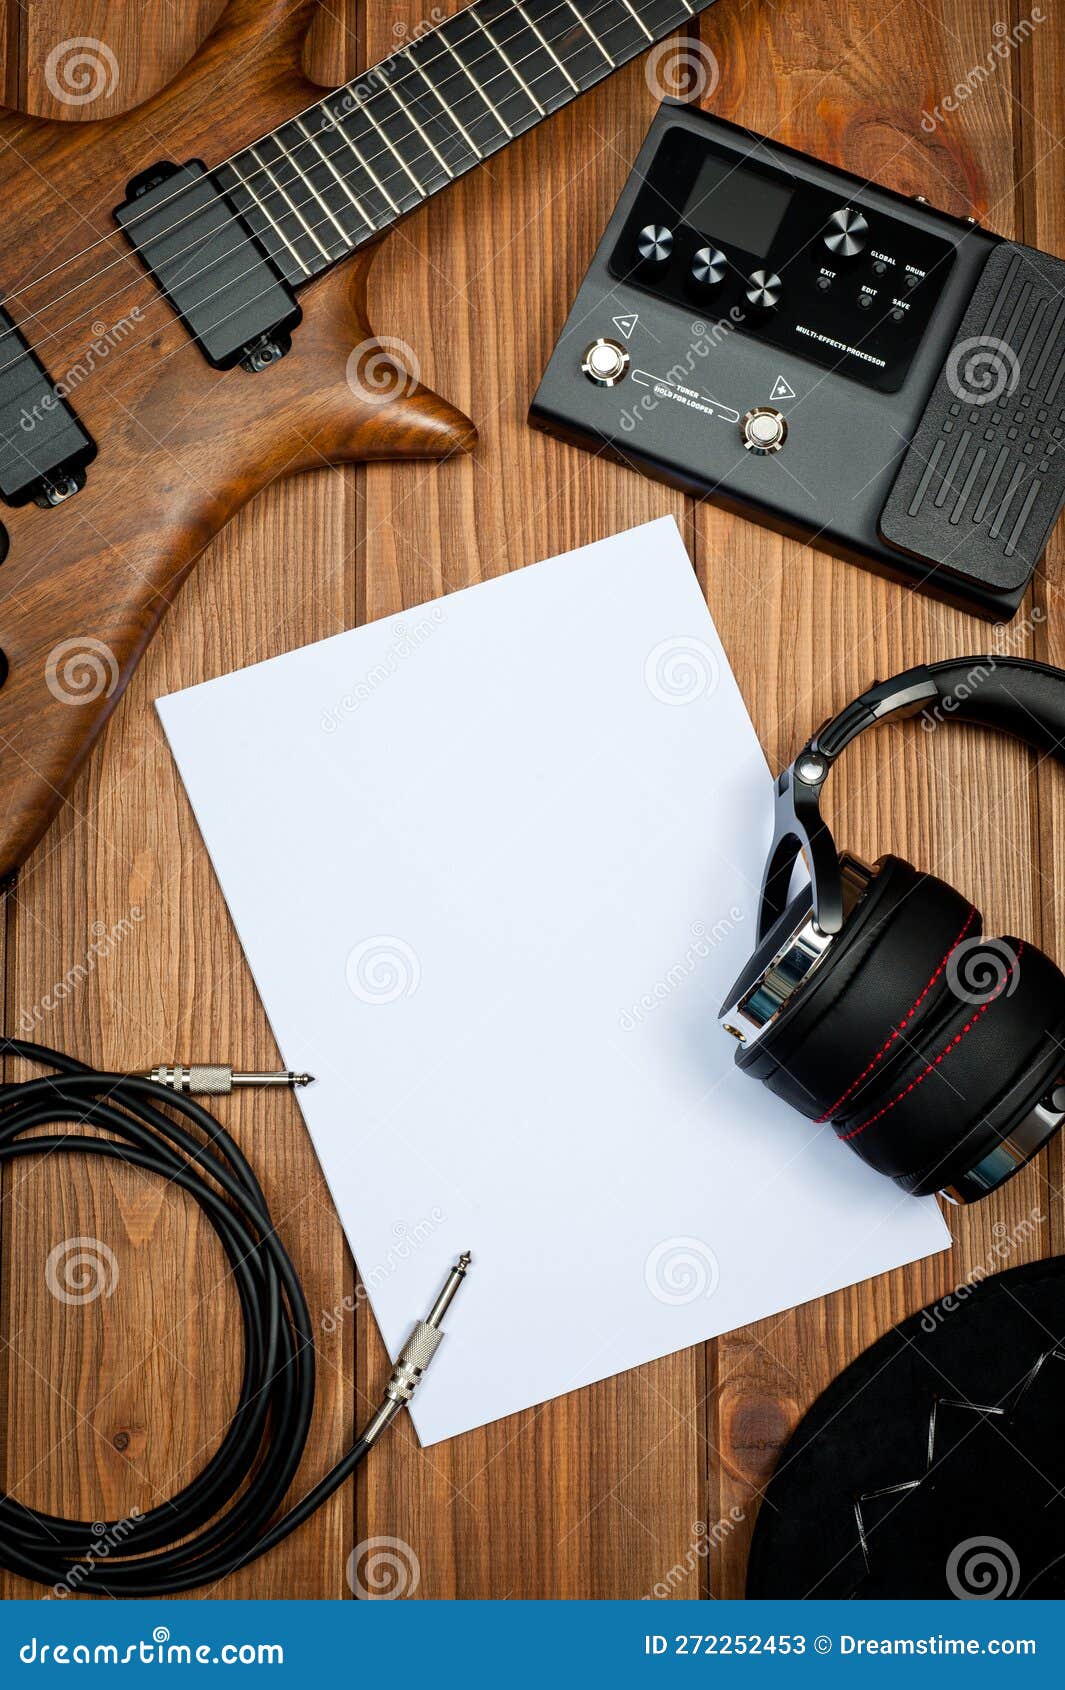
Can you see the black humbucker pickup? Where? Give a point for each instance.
(850, 366)
(209, 264)
(43, 447)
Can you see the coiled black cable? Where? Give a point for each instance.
(207, 1530)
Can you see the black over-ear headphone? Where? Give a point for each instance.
(873, 1002)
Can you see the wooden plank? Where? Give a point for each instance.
(806, 633)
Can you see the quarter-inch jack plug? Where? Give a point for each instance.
(415, 1356)
(217, 1079)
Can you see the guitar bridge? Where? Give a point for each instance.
(208, 263)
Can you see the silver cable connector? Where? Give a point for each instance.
(217, 1079)
(416, 1354)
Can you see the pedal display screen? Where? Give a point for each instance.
(741, 206)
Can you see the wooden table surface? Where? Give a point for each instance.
(613, 1491)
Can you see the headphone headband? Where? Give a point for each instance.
(1013, 695)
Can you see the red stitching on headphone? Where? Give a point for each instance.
(907, 1018)
(956, 1040)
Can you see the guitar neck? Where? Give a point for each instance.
(335, 177)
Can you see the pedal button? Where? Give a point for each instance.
(605, 362)
(764, 430)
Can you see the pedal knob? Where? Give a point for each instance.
(764, 290)
(654, 243)
(709, 267)
(605, 362)
(847, 232)
(764, 430)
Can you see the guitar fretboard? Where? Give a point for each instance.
(332, 178)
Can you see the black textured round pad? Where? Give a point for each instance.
(934, 1466)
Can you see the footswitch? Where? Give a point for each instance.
(849, 366)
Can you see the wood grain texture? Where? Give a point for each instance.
(614, 1490)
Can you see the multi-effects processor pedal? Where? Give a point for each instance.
(848, 365)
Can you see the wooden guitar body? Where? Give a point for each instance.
(181, 446)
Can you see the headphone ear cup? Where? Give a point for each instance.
(881, 981)
(973, 1070)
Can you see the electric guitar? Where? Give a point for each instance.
(177, 331)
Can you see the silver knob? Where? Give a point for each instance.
(605, 362)
(764, 430)
(709, 267)
(764, 288)
(846, 233)
(654, 243)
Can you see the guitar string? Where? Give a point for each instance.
(363, 104)
(352, 245)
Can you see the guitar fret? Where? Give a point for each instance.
(422, 162)
(621, 28)
(290, 204)
(450, 109)
(481, 93)
(546, 44)
(265, 225)
(467, 104)
(440, 159)
(342, 182)
(515, 73)
(593, 38)
(542, 77)
(377, 125)
(638, 19)
(305, 177)
(336, 123)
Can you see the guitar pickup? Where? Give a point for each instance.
(43, 447)
(209, 264)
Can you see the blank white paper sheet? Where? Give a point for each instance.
(494, 863)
